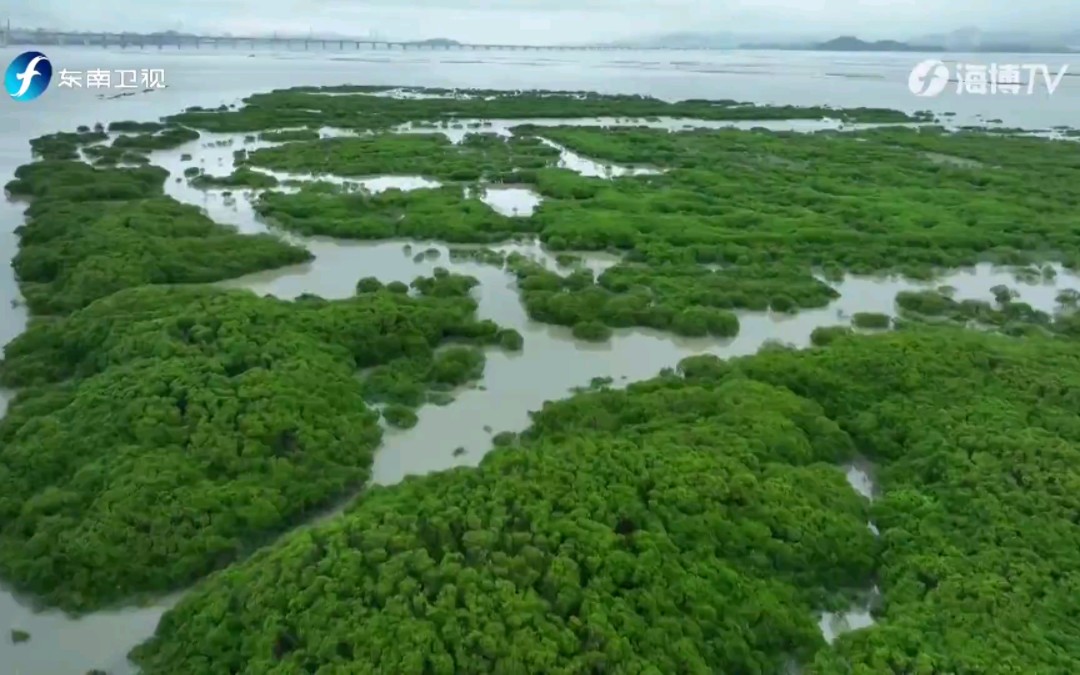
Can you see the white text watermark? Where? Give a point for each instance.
(144, 78)
(932, 77)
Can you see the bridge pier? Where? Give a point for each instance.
(145, 41)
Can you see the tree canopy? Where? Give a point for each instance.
(93, 231)
(165, 429)
(728, 219)
(367, 107)
(691, 523)
(161, 432)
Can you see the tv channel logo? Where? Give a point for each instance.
(928, 78)
(28, 76)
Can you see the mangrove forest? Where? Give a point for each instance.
(168, 432)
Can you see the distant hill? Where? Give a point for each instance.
(854, 44)
(846, 43)
(849, 43)
(987, 46)
(974, 40)
(963, 40)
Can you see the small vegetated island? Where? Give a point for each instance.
(692, 523)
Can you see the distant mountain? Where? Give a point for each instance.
(846, 43)
(849, 43)
(968, 39)
(974, 40)
(953, 42)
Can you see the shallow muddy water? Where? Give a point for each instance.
(552, 361)
(457, 130)
(511, 201)
(62, 645)
(568, 159)
(860, 476)
(514, 384)
(835, 624)
(551, 364)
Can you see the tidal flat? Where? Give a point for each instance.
(170, 421)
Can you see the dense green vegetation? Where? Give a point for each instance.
(591, 330)
(110, 155)
(692, 524)
(165, 139)
(400, 416)
(131, 143)
(93, 231)
(863, 201)
(446, 212)
(313, 108)
(1006, 314)
(242, 177)
(160, 432)
(866, 201)
(511, 340)
(285, 135)
(597, 545)
(871, 320)
(823, 335)
(431, 155)
(689, 300)
(737, 220)
(65, 145)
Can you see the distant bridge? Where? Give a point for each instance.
(173, 41)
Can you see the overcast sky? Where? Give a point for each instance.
(554, 21)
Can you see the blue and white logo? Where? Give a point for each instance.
(28, 76)
(928, 78)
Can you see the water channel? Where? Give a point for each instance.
(551, 364)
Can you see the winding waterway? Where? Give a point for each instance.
(552, 362)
